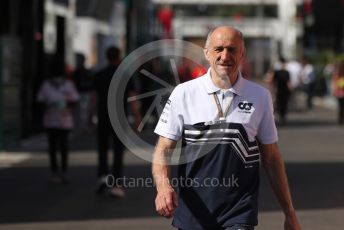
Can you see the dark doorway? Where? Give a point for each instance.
(60, 43)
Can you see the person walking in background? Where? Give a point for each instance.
(328, 73)
(338, 90)
(84, 83)
(294, 68)
(59, 96)
(227, 128)
(282, 83)
(105, 131)
(308, 79)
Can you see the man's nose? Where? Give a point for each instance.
(225, 55)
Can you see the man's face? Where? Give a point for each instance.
(225, 52)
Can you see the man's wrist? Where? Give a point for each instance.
(162, 184)
(290, 213)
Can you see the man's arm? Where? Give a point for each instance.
(166, 199)
(274, 167)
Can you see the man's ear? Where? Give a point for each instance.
(243, 55)
(206, 52)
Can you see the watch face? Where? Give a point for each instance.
(157, 67)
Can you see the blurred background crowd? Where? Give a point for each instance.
(304, 37)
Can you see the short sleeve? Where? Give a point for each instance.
(267, 132)
(72, 95)
(170, 124)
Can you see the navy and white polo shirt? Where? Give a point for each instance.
(222, 157)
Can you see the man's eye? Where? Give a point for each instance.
(218, 49)
(232, 50)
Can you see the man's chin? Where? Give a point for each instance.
(223, 73)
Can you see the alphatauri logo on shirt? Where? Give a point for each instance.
(245, 107)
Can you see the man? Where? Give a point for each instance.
(220, 107)
(282, 83)
(104, 132)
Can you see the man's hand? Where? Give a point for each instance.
(166, 201)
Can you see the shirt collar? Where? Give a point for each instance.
(212, 88)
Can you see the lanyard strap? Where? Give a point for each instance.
(219, 108)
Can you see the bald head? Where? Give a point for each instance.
(224, 50)
(220, 31)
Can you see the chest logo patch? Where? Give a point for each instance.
(245, 107)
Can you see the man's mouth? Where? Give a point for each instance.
(225, 65)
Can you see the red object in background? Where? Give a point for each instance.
(165, 16)
(198, 71)
(307, 7)
(238, 17)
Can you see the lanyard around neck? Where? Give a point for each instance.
(219, 108)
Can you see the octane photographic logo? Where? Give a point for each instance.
(170, 50)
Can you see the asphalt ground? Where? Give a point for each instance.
(312, 146)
